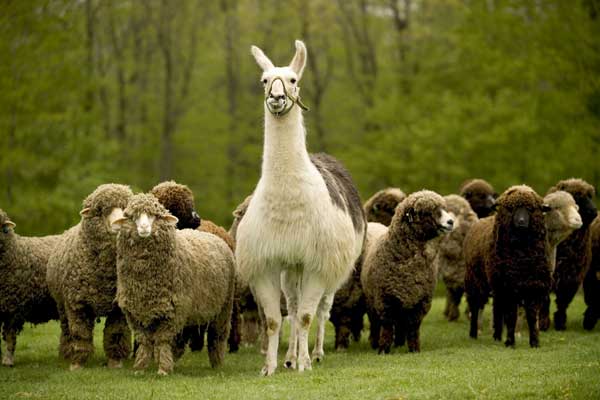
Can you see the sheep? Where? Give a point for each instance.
(24, 295)
(168, 279)
(480, 195)
(449, 260)
(349, 305)
(506, 254)
(380, 207)
(304, 228)
(82, 280)
(591, 283)
(398, 277)
(574, 254)
(178, 199)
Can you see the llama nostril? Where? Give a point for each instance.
(450, 222)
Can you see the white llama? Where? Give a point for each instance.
(305, 226)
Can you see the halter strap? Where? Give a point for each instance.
(293, 100)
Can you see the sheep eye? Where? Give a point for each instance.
(5, 229)
(293, 80)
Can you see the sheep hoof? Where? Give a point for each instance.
(114, 364)
(7, 360)
(510, 343)
(75, 367)
(162, 372)
(267, 370)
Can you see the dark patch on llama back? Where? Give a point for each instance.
(340, 186)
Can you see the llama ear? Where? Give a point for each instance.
(261, 59)
(299, 61)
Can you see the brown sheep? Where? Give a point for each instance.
(574, 254)
(591, 283)
(506, 255)
(450, 261)
(380, 207)
(398, 277)
(480, 195)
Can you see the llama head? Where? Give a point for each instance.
(281, 83)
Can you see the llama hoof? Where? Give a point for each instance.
(114, 364)
(318, 356)
(267, 370)
(304, 365)
(290, 364)
(75, 367)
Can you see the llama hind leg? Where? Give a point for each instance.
(322, 317)
(289, 285)
(268, 291)
(312, 292)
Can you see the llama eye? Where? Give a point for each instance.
(293, 80)
(264, 81)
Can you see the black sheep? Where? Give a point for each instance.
(480, 195)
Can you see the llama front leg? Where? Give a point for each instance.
(268, 291)
(313, 291)
(322, 316)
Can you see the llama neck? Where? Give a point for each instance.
(284, 151)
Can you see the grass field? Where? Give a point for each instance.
(567, 365)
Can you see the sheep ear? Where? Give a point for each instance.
(546, 208)
(85, 212)
(171, 219)
(7, 225)
(261, 59)
(117, 223)
(299, 61)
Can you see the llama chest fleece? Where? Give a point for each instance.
(294, 221)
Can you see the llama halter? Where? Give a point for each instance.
(292, 100)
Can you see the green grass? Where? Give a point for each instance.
(567, 365)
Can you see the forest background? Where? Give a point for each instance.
(408, 93)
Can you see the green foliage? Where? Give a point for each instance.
(450, 366)
(422, 97)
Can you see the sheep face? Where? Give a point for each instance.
(480, 195)
(6, 230)
(105, 206)
(143, 214)
(179, 200)
(520, 211)
(583, 193)
(281, 83)
(424, 214)
(563, 217)
(380, 208)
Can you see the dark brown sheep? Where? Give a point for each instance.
(398, 276)
(574, 254)
(506, 255)
(480, 195)
(591, 283)
(179, 200)
(449, 260)
(24, 295)
(380, 207)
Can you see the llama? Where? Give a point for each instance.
(304, 227)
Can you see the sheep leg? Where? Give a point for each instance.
(386, 336)
(590, 318)
(413, 325)
(510, 316)
(312, 292)
(289, 285)
(532, 311)
(357, 322)
(453, 302)
(235, 336)
(322, 316)
(143, 355)
(81, 328)
(268, 293)
(10, 329)
(545, 314)
(564, 296)
(374, 329)
(217, 336)
(117, 338)
(399, 333)
(498, 310)
(179, 342)
(474, 309)
(165, 360)
(65, 341)
(250, 327)
(194, 336)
